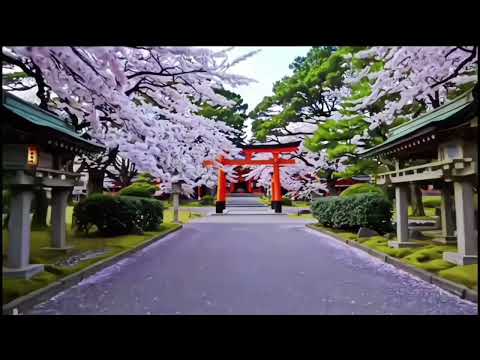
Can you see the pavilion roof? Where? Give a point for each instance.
(443, 116)
(39, 117)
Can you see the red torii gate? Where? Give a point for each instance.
(249, 150)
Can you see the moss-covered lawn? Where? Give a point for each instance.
(13, 288)
(428, 257)
(184, 215)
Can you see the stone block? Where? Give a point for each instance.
(459, 259)
(416, 235)
(365, 232)
(404, 244)
(24, 272)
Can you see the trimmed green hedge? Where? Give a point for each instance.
(370, 210)
(139, 189)
(150, 214)
(117, 215)
(363, 188)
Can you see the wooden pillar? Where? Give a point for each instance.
(466, 237)
(176, 190)
(276, 185)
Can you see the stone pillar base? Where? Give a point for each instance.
(404, 244)
(277, 206)
(446, 240)
(460, 259)
(219, 207)
(22, 273)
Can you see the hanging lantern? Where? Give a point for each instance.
(32, 159)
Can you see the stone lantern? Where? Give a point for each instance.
(38, 152)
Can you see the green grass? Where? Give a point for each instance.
(428, 257)
(13, 288)
(301, 204)
(379, 243)
(466, 275)
(431, 201)
(302, 216)
(184, 216)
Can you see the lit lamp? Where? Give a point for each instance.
(32, 159)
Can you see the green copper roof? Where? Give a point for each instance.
(442, 114)
(40, 117)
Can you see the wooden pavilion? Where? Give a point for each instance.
(438, 148)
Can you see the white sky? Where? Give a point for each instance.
(267, 67)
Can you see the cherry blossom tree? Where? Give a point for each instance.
(139, 101)
(390, 85)
(406, 81)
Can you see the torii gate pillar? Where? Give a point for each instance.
(276, 185)
(221, 192)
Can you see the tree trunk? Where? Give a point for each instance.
(40, 209)
(330, 182)
(95, 181)
(176, 189)
(416, 200)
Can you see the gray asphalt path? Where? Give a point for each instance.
(252, 265)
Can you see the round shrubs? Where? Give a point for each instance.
(370, 210)
(117, 215)
(140, 189)
(362, 189)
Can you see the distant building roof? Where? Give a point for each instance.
(39, 117)
(270, 145)
(442, 116)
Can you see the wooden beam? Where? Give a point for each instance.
(258, 162)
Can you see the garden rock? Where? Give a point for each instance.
(304, 211)
(365, 232)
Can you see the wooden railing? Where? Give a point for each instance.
(433, 170)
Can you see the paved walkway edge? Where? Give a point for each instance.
(454, 288)
(35, 297)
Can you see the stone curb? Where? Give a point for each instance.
(459, 290)
(35, 297)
